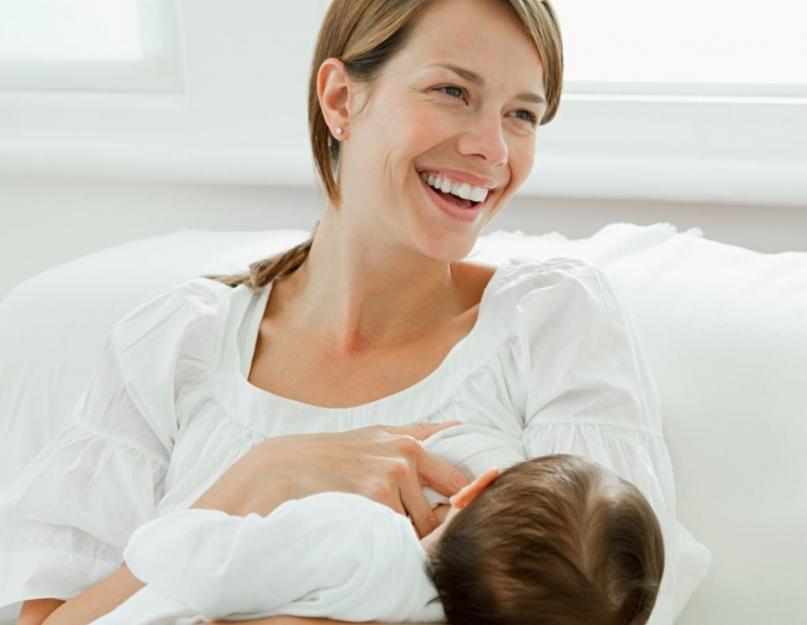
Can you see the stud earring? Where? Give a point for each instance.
(339, 131)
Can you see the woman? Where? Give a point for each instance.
(323, 368)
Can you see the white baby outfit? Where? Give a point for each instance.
(553, 361)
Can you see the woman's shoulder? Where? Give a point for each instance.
(190, 308)
(520, 283)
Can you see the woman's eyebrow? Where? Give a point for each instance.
(475, 78)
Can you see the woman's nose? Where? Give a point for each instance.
(486, 138)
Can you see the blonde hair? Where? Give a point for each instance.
(365, 35)
(555, 540)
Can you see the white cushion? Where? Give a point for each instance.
(53, 325)
(724, 330)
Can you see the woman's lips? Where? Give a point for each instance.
(458, 212)
(419, 174)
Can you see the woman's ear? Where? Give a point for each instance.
(341, 98)
(333, 90)
(470, 492)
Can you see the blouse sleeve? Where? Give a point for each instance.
(66, 518)
(590, 392)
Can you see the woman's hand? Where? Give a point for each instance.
(385, 463)
(441, 512)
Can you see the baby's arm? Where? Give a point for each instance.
(317, 556)
(219, 564)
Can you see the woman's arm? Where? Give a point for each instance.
(96, 601)
(35, 611)
(387, 464)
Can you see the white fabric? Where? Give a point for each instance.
(53, 326)
(553, 358)
(47, 359)
(334, 555)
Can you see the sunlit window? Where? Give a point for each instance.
(35, 30)
(89, 45)
(687, 41)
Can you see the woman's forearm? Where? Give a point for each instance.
(234, 494)
(296, 620)
(97, 600)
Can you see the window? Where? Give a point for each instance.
(694, 100)
(89, 45)
(690, 46)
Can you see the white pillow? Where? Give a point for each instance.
(724, 330)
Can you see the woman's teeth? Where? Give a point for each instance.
(460, 189)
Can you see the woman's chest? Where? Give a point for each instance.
(297, 369)
(214, 432)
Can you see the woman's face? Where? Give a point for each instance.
(425, 117)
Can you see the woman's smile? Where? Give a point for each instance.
(451, 205)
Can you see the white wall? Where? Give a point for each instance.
(237, 115)
(45, 221)
(226, 147)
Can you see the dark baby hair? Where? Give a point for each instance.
(555, 540)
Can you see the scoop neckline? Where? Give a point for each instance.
(262, 395)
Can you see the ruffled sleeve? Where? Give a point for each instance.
(590, 392)
(67, 517)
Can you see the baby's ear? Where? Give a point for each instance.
(470, 492)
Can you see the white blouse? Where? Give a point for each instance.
(553, 358)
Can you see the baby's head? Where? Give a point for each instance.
(555, 540)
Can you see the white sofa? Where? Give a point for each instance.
(724, 329)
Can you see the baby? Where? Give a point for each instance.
(553, 540)
(550, 540)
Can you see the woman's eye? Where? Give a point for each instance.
(460, 89)
(529, 116)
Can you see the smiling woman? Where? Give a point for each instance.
(285, 385)
(529, 47)
(382, 109)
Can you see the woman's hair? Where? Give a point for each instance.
(555, 540)
(365, 35)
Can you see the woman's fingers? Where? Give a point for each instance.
(441, 512)
(422, 430)
(440, 475)
(388, 464)
(434, 472)
(416, 465)
(418, 507)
